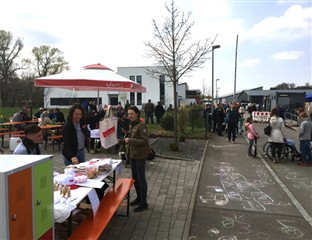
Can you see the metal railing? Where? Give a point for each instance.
(292, 118)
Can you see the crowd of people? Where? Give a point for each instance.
(132, 132)
(229, 119)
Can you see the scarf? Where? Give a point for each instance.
(32, 148)
(135, 122)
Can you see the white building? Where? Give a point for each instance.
(158, 88)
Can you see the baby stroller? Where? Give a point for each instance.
(95, 143)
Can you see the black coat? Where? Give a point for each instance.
(159, 111)
(233, 117)
(70, 138)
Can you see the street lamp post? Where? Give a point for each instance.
(217, 89)
(212, 77)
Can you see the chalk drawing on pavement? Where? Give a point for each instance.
(290, 231)
(297, 180)
(234, 222)
(235, 187)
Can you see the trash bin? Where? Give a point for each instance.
(14, 141)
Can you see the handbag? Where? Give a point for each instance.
(267, 130)
(108, 129)
(150, 153)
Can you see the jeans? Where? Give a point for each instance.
(140, 184)
(149, 115)
(81, 155)
(232, 132)
(305, 150)
(251, 141)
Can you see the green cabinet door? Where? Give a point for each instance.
(43, 197)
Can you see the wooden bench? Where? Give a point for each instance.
(56, 138)
(92, 228)
(15, 133)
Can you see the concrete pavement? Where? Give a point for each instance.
(223, 195)
(171, 191)
(251, 198)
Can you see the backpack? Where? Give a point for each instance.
(150, 153)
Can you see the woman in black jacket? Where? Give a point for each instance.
(75, 133)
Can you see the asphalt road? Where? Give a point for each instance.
(251, 198)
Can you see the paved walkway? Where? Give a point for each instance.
(251, 198)
(176, 189)
(172, 188)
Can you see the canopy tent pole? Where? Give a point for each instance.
(98, 100)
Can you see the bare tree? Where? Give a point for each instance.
(205, 90)
(174, 51)
(9, 53)
(47, 61)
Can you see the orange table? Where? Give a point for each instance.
(7, 130)
(10, 124)
(51, 127)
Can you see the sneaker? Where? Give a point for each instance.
(249, 156)
(233, 142)
(141, 208)
(135, 202)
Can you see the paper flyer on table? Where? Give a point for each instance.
(94, 200)
(92, 183)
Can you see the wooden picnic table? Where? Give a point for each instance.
(57, 127)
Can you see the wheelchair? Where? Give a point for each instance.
(289, 151)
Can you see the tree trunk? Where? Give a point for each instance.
(175, 114)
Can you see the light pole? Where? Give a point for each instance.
(212, 77)
(217, 90)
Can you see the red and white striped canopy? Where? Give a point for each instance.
(95, 77)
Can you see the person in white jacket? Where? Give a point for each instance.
(278, 136)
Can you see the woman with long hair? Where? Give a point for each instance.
(278, 136)
(75, 133)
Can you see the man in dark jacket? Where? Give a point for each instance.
(218, 119)
(159, 112)
(232, 119)
(149, 111)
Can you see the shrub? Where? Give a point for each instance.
(183, 118)
(174, 146)
(166, 121)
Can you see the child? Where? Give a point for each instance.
(251, 134)
(241, 123)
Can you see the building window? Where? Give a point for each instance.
(132, 99)
(132, 78)
(71, 101)
(162, 89)
(139, 95)
(139, 98)
(113, 100)
(139, 79)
